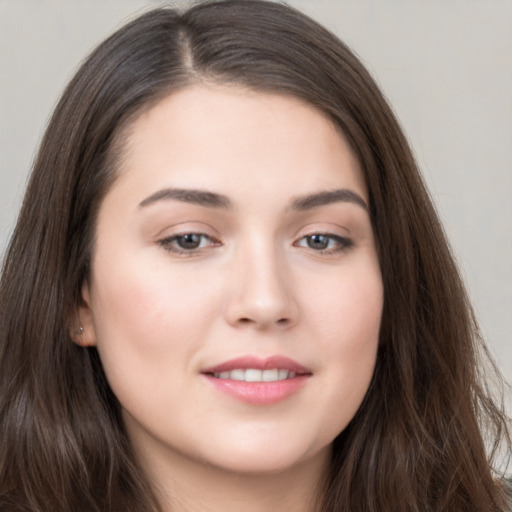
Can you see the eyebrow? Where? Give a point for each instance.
(327, 197)
(214, 200)
(200, 197)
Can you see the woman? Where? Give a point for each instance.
(228, 288)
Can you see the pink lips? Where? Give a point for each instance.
(261, 364)
(258, 393)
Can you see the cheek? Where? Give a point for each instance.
(354, 328)
(348, 310)
(146, 302)
(348, 314)
(148, 321)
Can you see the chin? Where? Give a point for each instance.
(267, 458)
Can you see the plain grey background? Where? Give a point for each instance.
(445, 65)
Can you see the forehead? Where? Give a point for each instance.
(211, 135)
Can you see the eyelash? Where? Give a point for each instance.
(341, 243)
(169, 243)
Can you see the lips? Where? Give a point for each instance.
(258, 381)
(256, 363)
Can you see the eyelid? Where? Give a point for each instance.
(343, 243)
(167, 241)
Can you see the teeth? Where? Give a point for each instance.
(282, 374)
(255, 375)
(270, 375)
(237, 375)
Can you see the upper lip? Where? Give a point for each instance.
(267, 363)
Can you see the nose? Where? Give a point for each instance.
(261, 292)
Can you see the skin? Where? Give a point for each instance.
(257, 285)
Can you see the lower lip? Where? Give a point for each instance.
(259, 393)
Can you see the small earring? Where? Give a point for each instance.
(79, 331)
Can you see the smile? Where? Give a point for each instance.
(258, 381)
(256, 375)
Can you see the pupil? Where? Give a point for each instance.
(189, 241)
(318, 242)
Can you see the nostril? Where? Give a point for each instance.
(245, 320)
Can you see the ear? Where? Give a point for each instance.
(82, 330)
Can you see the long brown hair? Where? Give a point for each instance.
(418, 441)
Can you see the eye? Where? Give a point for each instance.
(325, 243)
(187, 243)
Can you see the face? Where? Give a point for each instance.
(235, 295)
